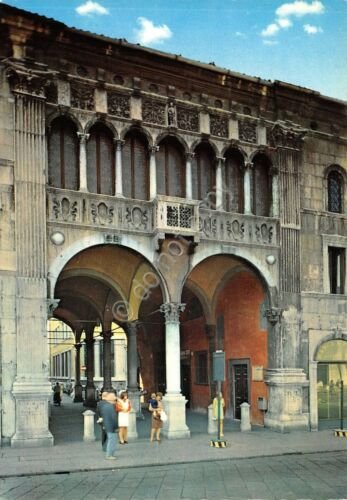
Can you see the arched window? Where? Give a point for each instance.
(233, 181)
(135, 166)
(100, 160)
(171, 168)
(203, 175)
(63, 154)
(335, 191)
(261, 186)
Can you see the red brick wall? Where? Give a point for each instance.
(239, 302)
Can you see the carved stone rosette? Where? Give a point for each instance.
(172, 311)
(118, 105)
(153, 112)
(187, 119)
(219, 126)
(82, 96)
(284, 137)
(247, 131)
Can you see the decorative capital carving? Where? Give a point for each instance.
(172, 311)
(83, 137)
(52, 305)
(24, 79)
(284, 137)
(119, 144)
(190, 156)
(274, 170)
(153, 149)
(274, 315)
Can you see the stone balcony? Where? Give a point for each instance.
(162, 215)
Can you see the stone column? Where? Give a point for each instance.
(119, 168)
(247, 188)
(275, 207)
(78, 386)
(313, 396)
(152, 172)
(31, 388)
(133, 390)
(219, 184)
(97, 371)
(83, 160)
(107, 385)
(189, 180)
(174, 402)
(90, 388)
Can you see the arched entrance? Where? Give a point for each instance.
(109, 296)
(226, 300)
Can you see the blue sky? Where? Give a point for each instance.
(303, 42)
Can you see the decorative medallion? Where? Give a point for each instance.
(118, 105)
(101, 213)
(64, 209)
(235, 230)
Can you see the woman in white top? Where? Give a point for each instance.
(123, 407)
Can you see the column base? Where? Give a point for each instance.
(286, 400)
(175, 407)
(78, 394)
(32, 400)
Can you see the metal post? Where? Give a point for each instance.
(341, 405)
(218, 409)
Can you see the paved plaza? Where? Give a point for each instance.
(312, 476)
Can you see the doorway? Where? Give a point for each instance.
(239, 389)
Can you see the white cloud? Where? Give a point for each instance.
(242, 35)
(89, 8)
(270, 30)
(312, 30)
(270, 42)
(300, 8)
(283, 22)
(149, 34)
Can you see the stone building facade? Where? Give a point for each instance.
(195, 208)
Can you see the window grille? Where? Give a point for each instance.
(335, 192)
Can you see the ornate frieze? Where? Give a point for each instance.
(153, 111)
(82, 96)
(187, 119)
(248, 131)
(102, 213)
(285, 137)
(172, 311)
(264, 233)
(118, 105)
(137, 217)
(235, 229)
(64, 209)
(208, 226)
(219, 125)
(26, 79)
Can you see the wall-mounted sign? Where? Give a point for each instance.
(257, 373)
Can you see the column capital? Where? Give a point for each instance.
(274, 315)
(52, 305)
(249, 165)
(172, 311)
(153, 149)
(189, 156)
(274, 170)
(28, 78)
(131, 327)
(220, 160)
(119, 143)
(210, 331)
(78, 346)
(83, 137)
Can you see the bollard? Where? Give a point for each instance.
(245, 419)
(89, 434)
(132, 429)
(211, 424)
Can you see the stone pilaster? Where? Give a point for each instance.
(174, 402)
(31, 388)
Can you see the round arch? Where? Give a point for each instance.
(64, 114)
(204, 142)
(98, 121)
(161, 137)
(139, 130)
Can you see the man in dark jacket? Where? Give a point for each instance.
(107, 412)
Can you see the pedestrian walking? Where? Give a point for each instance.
(123, 407)
(157, 422)
(107, 411)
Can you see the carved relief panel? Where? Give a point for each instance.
(82, 96)
(187, 119)
(153, 111)
(248, 131)
(219, 125)
(118, 105)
